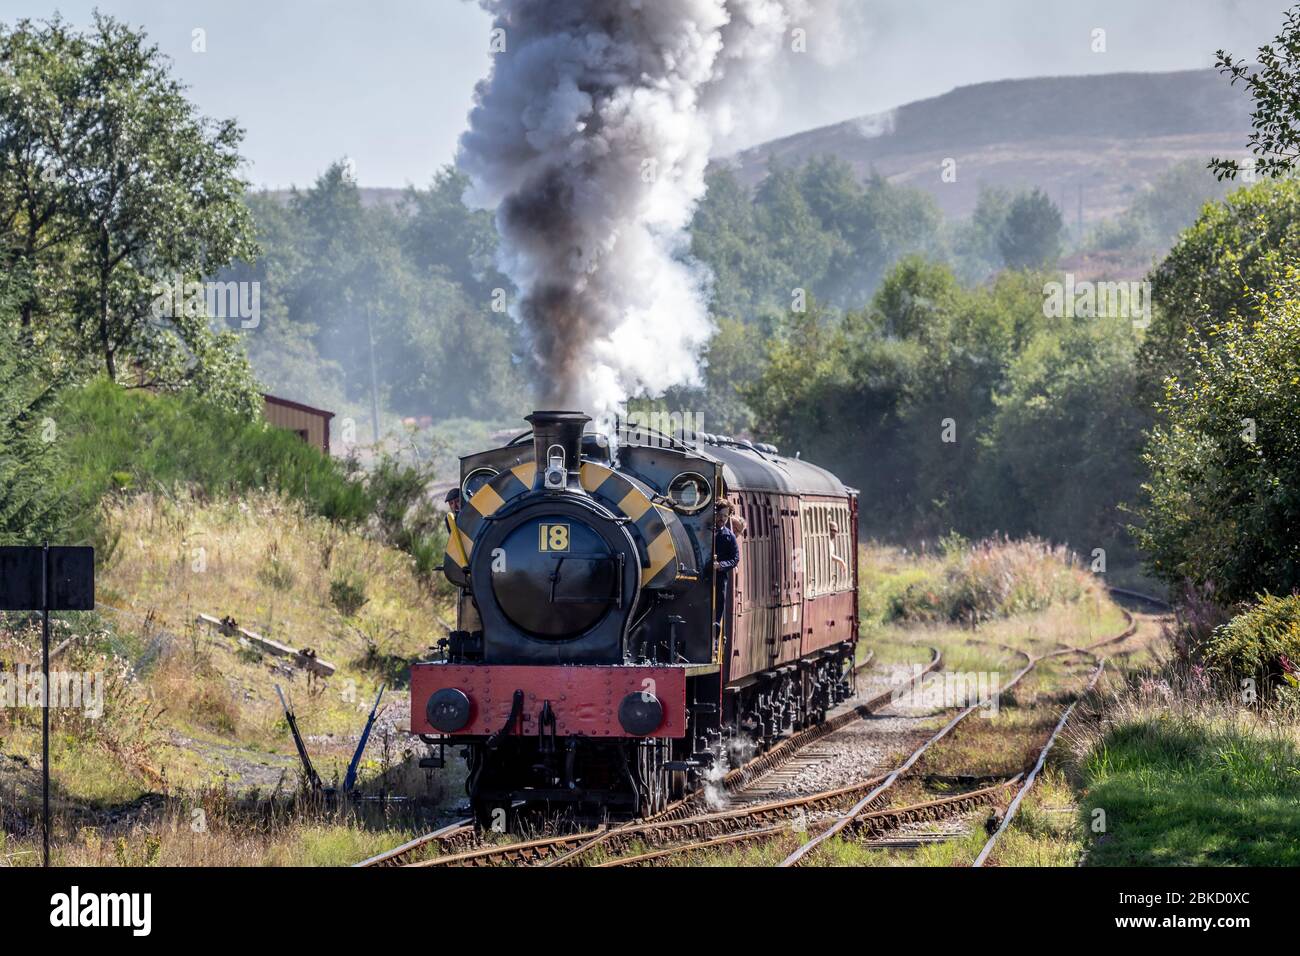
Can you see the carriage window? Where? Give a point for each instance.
(823, 579)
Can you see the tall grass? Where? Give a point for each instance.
(989, 579)
(1174, 770)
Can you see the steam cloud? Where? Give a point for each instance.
(591, 136)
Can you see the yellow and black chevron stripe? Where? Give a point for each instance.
(487, 501)
(657, 531)
(650, 523)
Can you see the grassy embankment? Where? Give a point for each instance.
(1163, 766)
(1168, 764)
(1159, 775)
(194, 512)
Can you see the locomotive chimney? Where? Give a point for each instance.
(557, 441)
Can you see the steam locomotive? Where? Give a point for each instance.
(601, 664)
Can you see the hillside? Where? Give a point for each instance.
(1091, 142)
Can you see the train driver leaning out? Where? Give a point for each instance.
(726, 554)
(469, 619)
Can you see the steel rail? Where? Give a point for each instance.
(1038, 766)
(667, 829)
(1138, 595)
(737, 779)
(659, 833)
(463, 831)
(731, 838)
(447, 835)
(878, 821)
(847, 818)
(874, 823)
(741, 777)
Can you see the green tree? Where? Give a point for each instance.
(1176, 200)
(410, 280)
(725, 235)
(1061, 452)
(961, 409)
(1171, 204)
(1219, 266)
(1272, 82)
(814, 228)
(115, 190)
(32, 508)
(734, 358)
(442, 234)
(975, 242)
(1030, 237)
(41, 83)
(1223, 497)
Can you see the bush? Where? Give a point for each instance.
(406, 517)
(1262, 642)
(399, 492)
(276, 572)
(1197, 615)
(113, 439)
(348, 593)
(990, 579)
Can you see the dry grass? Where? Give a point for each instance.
(965, 583)
(211, 827)
(269, 565)
(190, 712)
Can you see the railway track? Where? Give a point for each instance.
(677, 830)
(852, 821)
(788, 751)
(861, 818)
(868, 826)
(683, 827)
(451, 837)
(1014, 806)
(461, 836)
(873, 825)
(670, 833)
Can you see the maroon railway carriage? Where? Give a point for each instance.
(586, 670)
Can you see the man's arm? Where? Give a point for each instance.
(726, 553)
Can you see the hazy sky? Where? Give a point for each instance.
(389, 82)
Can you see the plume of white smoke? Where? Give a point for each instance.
(591, 136)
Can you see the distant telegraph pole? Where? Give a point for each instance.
(374, 381)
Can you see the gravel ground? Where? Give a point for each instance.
(864, 748)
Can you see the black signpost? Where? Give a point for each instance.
(46, 579)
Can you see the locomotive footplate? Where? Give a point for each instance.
(598, 701)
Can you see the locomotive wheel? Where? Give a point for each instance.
(677, 782)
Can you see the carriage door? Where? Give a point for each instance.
(792, 579)
(741, 585)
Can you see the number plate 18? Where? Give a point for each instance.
(553, 537)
